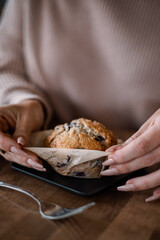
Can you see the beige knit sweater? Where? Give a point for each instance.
(98, 59)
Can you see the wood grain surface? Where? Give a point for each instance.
(116, 215)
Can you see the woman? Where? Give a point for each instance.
(96, 59)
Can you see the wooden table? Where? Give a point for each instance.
(116, 215)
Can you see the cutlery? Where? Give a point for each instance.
(49, 210)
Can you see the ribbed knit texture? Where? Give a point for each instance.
(98, 59)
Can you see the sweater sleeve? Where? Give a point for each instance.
(15, 86)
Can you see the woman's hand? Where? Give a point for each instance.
(139, 151)
(16, 124)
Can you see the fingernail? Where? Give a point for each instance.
(108, 162)
(108, 152)
(127, 187)
(34, 164)
(110, 172)
(111, 149)
(16, 150)
(152, 198)
(21, 140)
(40, 169)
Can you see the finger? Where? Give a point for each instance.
(32, 158)
(155, 196)
(9, 145)
(133, 137)
(16, 155)
(27, 162)
(138, 163)
(157, 191)
(23, 129)
(119, 146)
(142, 183)
(142, 129)
(8, 119)
(142, 145)
(32, 155)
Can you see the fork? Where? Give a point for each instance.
(49, 210)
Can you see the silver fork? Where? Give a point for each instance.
(49, 210)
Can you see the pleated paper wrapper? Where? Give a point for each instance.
(80, 163)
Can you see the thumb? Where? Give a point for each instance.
(22, 130)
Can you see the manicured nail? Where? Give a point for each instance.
(16, 150)
(40, 169)
(34, 164)
(109, 151)
(108, 162)
(152, 198)
(127, 187)
(21, 140)
(110, 172)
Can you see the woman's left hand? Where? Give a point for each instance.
(139, 151)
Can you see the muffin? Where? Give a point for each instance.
(80, 134)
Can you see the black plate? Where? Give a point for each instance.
(85, 187)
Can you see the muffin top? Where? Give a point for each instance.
(81, 134)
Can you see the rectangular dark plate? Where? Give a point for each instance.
(85, 187)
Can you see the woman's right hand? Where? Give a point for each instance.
(16, 124)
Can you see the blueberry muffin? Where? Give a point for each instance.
(81, 134)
